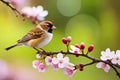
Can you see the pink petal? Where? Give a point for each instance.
(70, 72)
(107, 68)
(35, 63)
(42, 67)
(48, 60)
(55, 66)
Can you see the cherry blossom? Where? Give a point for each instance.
(55, 66)
(35, 13)
(19, 3)
(74, 49)
(38, 55)
(4, 70)
(60, 60)
(42, 67)
(116, 58)
(48, 60)
(69, 70)
(35, 63)
(104, 66)
(107, 55)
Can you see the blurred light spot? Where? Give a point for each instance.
(83, 28)
(68, 7)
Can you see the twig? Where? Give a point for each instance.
(10, 6)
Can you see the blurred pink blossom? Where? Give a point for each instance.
(19, 4)
(104, 66)
(42, 67)
(35, 63)
(4, 70)
(69, 70)
(55, 66)
(35, 13)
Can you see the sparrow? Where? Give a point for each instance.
(37, 37)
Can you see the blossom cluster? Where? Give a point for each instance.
(34, 13)
(80, 48)
(61, 61)
(18, 4)
(58, 62)
(112, 56)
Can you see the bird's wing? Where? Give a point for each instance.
(33, 34)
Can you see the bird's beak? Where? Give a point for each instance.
(53, 27)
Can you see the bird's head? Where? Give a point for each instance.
(47, 26)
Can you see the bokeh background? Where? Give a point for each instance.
(90, 21)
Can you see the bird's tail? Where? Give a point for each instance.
(10, 47)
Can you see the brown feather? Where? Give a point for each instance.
(35, 42)
(33, 34)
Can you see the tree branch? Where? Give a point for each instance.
(94, 60)
(10, 6)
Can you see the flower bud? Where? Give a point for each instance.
(90, 48)
(81, 67)
(82, 45)
(69, 39)
(77, 45)
(64, 40)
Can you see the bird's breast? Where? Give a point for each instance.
(42, 41)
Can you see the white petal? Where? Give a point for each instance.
(40, 18)
(103, 58)
(102, 53)
(70, 65)
(98, 65)
(61, 65)
(59, 56)
(72, 47)
(71, 51)
(118, 62)
(114, 61)
(55, 61)
(38, 55)
(44, 13)
(40, 8)
(118, 52)
(108, 50)
(66, 60)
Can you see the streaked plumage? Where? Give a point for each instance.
(38, 36)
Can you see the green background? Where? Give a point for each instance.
(90, 21)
